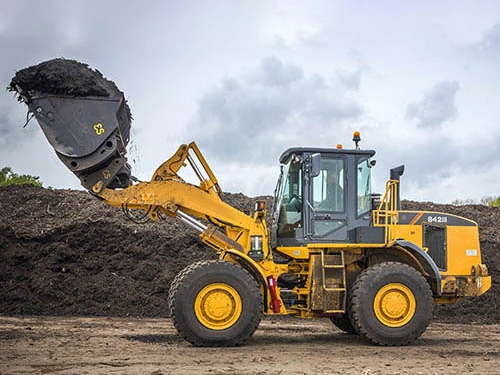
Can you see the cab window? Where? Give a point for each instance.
(364, 186)
(290, 214)
(328, 186)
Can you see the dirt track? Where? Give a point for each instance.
(55, 345)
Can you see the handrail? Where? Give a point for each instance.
(386, 214)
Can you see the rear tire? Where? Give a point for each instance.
(215, 303)
(344, 324)
(390, 304)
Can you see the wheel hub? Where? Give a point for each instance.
(394, 305)
(218, 306)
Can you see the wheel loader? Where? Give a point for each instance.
(327, 248)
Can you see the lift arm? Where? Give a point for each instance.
(167, 193)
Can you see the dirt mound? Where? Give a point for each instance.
(64, 252)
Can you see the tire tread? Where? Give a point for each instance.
(183, 279)
(354, 302)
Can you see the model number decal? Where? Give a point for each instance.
(437, 219)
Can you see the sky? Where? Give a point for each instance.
(248, 79)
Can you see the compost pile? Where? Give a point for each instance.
(64, 252)
(62, 77)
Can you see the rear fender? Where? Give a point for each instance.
(425, 261)
(408, 253)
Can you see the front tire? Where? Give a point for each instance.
(215, 303)
(390, 304)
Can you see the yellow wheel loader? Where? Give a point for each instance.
(334, 249)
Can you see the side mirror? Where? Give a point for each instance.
(315, 164)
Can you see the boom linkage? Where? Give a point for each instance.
(168, 170)
(169, 194)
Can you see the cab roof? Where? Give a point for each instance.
(285, 156)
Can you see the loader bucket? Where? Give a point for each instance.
(89, 135)
(84, 116)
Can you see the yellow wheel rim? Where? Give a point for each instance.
(218, 306)
(394, 305)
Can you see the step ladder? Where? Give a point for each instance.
(333, 272)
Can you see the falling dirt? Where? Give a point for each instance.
(66, 253)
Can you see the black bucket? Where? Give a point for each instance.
(89, 135)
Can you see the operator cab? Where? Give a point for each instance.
(324, 195)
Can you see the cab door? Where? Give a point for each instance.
(327, 203)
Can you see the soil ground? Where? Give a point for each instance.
(57, 345)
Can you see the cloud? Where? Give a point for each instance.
(256, 115)
(491, 40)
(12, 133)
(5, 129)
(25, 46)
(274, 73)
(437, 106)
(328, 78)
(351, 80)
